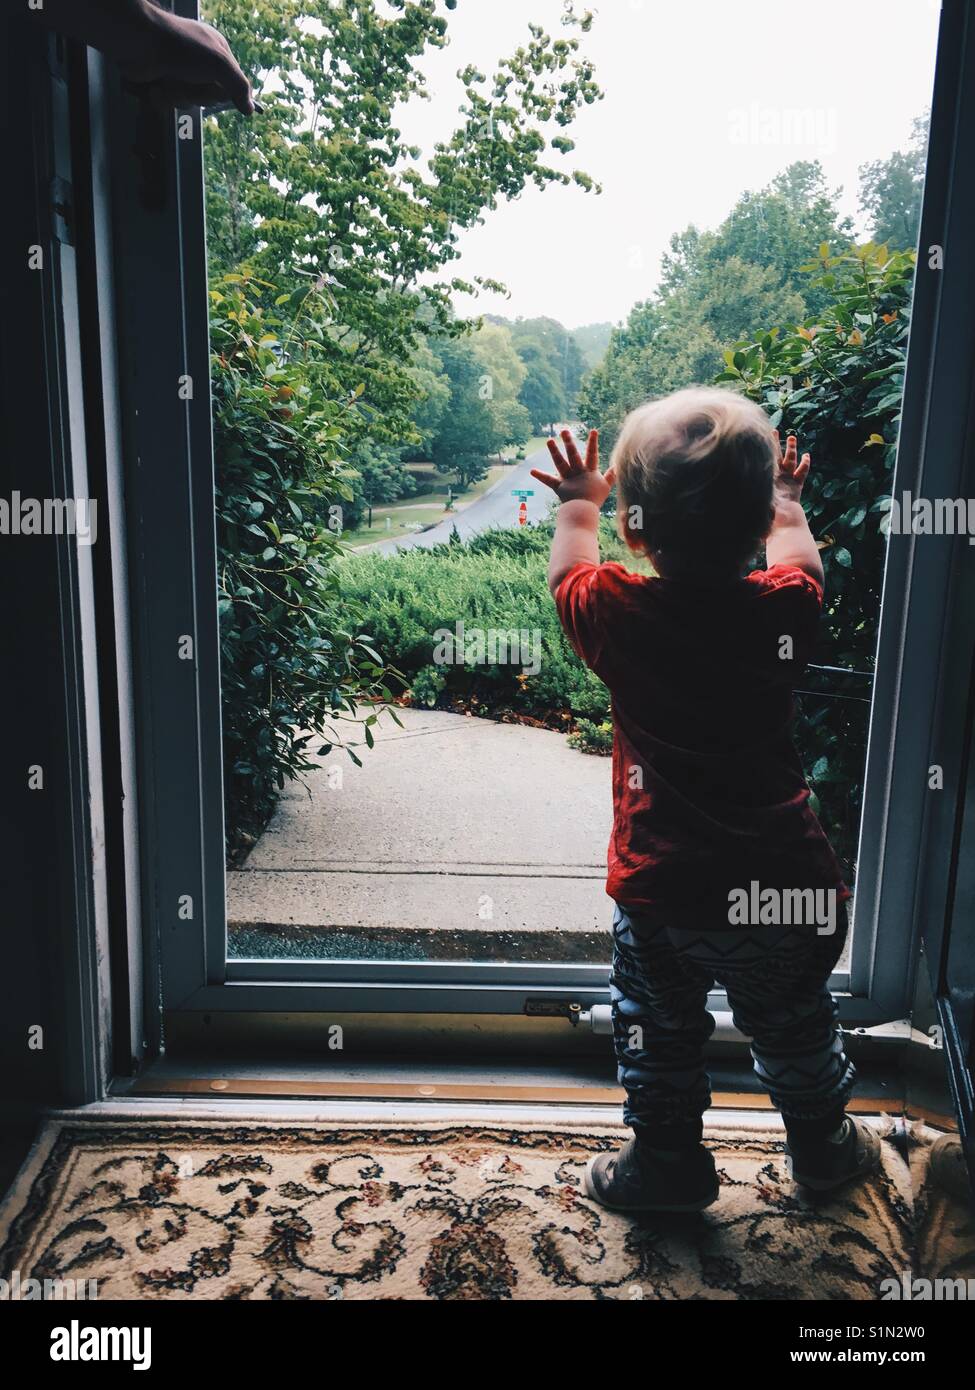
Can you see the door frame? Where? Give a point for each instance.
(903, 864)
(159, 262)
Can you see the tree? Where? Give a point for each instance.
(495, 348)
(555, 344)
(433, 394)
(379, 476)
(592, 340)
(891, 191)
(678, 340)
(469, 429)
(781, 227)
(324, 186)
(542, 394)
(330, 245)
(714, 287)
(555, 369)
(502, 377)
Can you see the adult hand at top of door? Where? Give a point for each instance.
(173, 61)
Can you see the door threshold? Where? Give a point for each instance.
(504, 1081)
(738, 1114)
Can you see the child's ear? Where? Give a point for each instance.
(633, 540)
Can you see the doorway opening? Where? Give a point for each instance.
(416, 781)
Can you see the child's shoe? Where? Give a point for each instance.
(948, 1167)
(644, 1180)
(853, 1151)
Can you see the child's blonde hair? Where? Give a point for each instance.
(696, 469)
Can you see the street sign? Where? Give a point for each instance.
(523, 492)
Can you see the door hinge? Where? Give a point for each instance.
(553, 1008)
(598, 1018)
(62, 211)
(895, 1030)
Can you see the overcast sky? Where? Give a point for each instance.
(698, 96)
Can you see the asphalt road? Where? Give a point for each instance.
(496, 508)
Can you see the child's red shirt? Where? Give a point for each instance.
(708, 791)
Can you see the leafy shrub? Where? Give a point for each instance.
(592, 738)
(496, 581)
(292, 670)
(427, 686)
(837, 381)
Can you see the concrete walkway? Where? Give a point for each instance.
(458, 839)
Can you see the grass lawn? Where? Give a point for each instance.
(403, 518)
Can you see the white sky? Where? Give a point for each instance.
(692, 116)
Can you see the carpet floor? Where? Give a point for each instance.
(195, 1210)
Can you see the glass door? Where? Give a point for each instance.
(378, 773)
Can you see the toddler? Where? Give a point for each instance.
(718, 866)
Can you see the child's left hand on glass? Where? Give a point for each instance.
(578, 478)
(791, 472)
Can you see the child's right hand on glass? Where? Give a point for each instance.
(578, 479)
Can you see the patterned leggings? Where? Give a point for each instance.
(776, 979)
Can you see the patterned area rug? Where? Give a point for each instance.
(944, 1222)
(169, 1210)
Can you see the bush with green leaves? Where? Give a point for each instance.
(427, 686)
(592, 738)
(292, 669)
(837, 381)
(495, 582)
